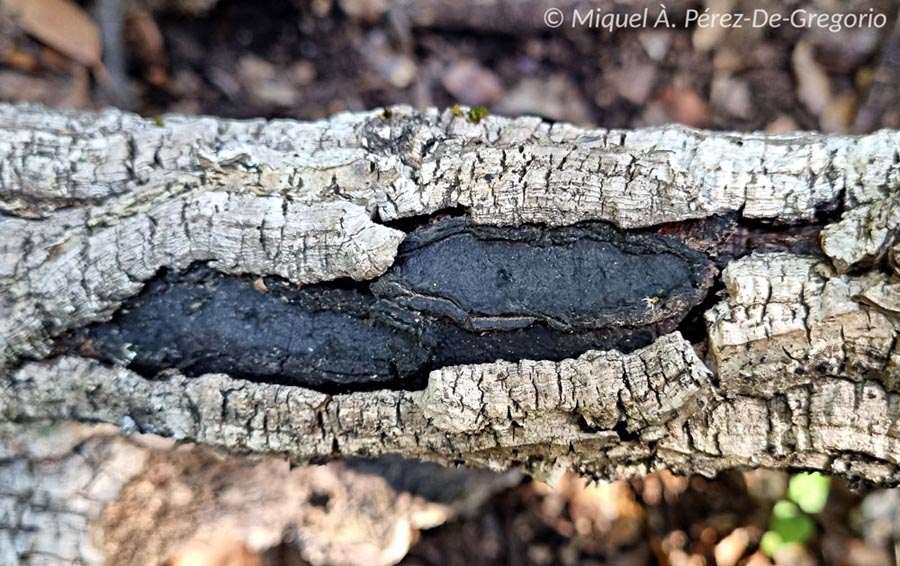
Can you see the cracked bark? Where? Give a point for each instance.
(798, 369)
(456, 294)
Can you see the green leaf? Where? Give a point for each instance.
(790, 523)
(771, 543)
(784, 509)
(477, 114)
(809, 491)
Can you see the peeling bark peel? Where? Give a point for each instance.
(77, 274)
(864, 235)
(543, 416)
(483, 414)
(804, 347)
(455, 295)
(790, 321)
(95, 204)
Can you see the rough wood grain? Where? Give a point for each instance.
(790, 321)
(482, 414)
(801, 365)
(95, 204)
(306, 201)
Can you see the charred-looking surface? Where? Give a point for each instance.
(538, 293)
(803, 340)
(205, 322)
(576, 278)
(455, 295)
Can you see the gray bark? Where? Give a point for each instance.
(799, 367)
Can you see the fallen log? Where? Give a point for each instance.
(104, 213)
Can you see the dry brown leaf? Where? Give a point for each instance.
(813, 83)
(19, 59)
(146, 35)
(62, 25)
(686, 107)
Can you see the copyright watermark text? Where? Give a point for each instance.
(556, 18)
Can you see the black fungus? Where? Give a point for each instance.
(212, 323)
(456, 294)
(582, 277)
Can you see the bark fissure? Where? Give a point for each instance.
(232, 177)
(798, 366)
(455, 294)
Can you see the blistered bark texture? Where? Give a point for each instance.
(456, 294)
(96, 204)
(799, 363)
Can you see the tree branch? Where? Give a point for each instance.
(797, 368)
